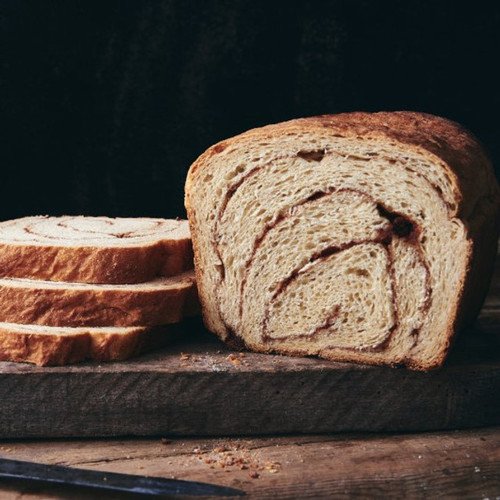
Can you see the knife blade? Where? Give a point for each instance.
(57, 474)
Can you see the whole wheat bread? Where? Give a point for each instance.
(358, 237)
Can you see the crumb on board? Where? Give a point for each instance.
(234, 456)
(235, 360)
(220, 449)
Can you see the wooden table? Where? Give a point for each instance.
(461, 464)
(434, 464)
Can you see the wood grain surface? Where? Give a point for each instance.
(197, 387)
(452, 464)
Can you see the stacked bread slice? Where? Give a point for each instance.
(73, 288)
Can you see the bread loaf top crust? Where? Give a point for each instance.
(469, 167)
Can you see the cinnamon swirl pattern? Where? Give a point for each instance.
(354, 237)
(94, 249)
(77, 288)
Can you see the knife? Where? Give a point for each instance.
(17, 469)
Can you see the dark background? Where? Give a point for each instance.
(104, 105)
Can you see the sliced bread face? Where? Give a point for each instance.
(158, 302)
(356, 237)
(94, 249)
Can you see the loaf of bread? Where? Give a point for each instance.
(94, 249)
(49, 345)
(356, 237)
(53, 303)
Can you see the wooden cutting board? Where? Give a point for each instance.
(198, 387)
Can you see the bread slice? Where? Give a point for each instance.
(158, 302)
(46, 345)
(358, 237)
(94, 249)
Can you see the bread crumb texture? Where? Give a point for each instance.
(357, 237)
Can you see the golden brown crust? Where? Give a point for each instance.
(467, 167)
(42, 349)
(59, 349)
(27, 302)
(483, 237)
(112, 265)
(451, 142)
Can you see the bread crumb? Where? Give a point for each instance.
(254, 474)
(235, 456)
(165, 441)
(273, 467)
(233, 359)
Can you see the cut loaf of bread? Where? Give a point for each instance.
(158, 302)
(357, 237)
(45, 345)
(94, 249)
